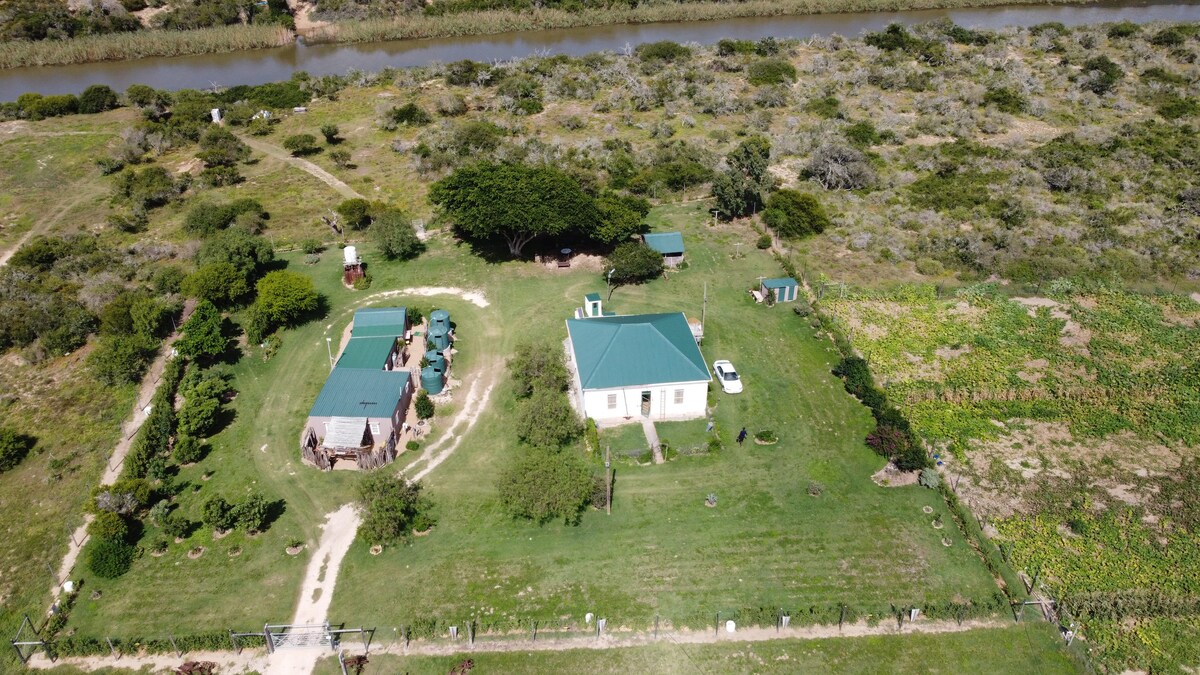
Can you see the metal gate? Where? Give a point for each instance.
(299, 636)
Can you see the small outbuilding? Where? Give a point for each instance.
(669, 244)
(784, 289)
(353, 268)
(644, 365)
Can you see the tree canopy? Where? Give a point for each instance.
(392, 231)
(543, 485)
(793, 214)
(202, 337)
(547, 420)
(391, 506)
(537, 366)
(284, 298)
(632, 263)
(515, 202)
(743, 187)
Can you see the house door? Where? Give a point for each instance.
(645, 404)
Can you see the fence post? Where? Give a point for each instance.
(267, 637)
(655, 626)
(112, 648)
(172, 638)
(717, 625)
(535, 623)
(842, 618)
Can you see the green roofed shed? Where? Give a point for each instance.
(380, 321)
(784, 288)
(367, 352)
(669, 244)
(360, 392)
(629, 351)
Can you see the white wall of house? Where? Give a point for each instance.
(668, 401)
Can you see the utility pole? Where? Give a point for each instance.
(607, 481)
(704, 309)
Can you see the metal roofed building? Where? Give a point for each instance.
(645, 365)
(785, 289)
(669, 244)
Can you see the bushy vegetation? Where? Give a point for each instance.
(392, 508)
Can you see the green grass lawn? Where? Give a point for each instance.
(688, 436)
(628, 440)
(1028, 648)
(767, 544)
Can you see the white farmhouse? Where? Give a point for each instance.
(644, 365)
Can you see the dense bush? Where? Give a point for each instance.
(538, 366)
(13, 448)
(523, 92)
(1005, 99)
(838, 167)
(206, 218)
(771, 71)
(394, 234)
(409, 114)
(793, 214)
(423, 405)
(301, 144)
(391, 506)
(662, 51)
(98, 98)
(1101, 74)
(284, 299)
(632, 263)
(547, 420)
(543, 485)
(108, 525)
(217, 513)
(108, 558)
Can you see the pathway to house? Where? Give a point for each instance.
(652, 439)
(304, 165)
(129, 429)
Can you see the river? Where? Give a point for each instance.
(268, 65)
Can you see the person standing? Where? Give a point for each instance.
(741, 435)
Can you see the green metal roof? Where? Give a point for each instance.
(367, 352)
(592, 297)
(665, 243)
(360, 392)
(782, 282)
(627, 351)
(377, 321)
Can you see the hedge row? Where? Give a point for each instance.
(193, 642)
(154, 437)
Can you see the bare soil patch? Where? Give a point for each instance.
(890, 476)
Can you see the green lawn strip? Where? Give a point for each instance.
(686, 437)
(767, 544)
(1025, 648)
(626, 440)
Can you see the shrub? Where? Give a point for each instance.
(98, 98)
(771, 71)
(330, 132)
(284, 299)
(13, 448)
(930, 267)
(543, 485)
(409, 114)
(838, 167)
(451, 105)
(525, 93)
(632, 263)
(395, 236)
(301, 144)
(109, 558)
(217, 513)
(766, 436)
(663, 51)
(1175, 107)
(1006, 100)
(763, 242)
(862, 134)
(731, 47)
(536, 366)
(1123, 29)
(411, 445)
(108, 525)
(929, 478)
(251, 512)
(424, 405)
(391, 507)
(793, 214)
(828, 107)
(1102, 74)
(175, 525)
(187, 450)
(465, 72)
(547, 420)
(1168, 37)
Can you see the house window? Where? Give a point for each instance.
(678, 397)
(375, 429)
(612, 401)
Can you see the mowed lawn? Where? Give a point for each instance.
(662, 552)
(1028, 648)
(767, 543)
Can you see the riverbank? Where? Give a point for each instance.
(128, 46)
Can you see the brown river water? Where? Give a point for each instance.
(268, 65)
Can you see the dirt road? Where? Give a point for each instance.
(302, 164)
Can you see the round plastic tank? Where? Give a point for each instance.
(440, 337)
(351, 254)
(436, 361)
(431, 380)
(439, 317)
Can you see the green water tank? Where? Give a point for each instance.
(439, 317)
(432, 380)
(439, 336)
(436, 361)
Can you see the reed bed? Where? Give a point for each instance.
(503, 21)
(121, 46)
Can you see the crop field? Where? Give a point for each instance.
(1070, 420)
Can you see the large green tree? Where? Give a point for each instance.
(547, 420)
(393, 233)
(515, 202)
(285, 297)
(391, 507)
(621, 216)
(744, 185)
(202, 337)
(793, 214)
(631, 263)
(536, 366)
(543, 485)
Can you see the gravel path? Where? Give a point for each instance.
(304, 165)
